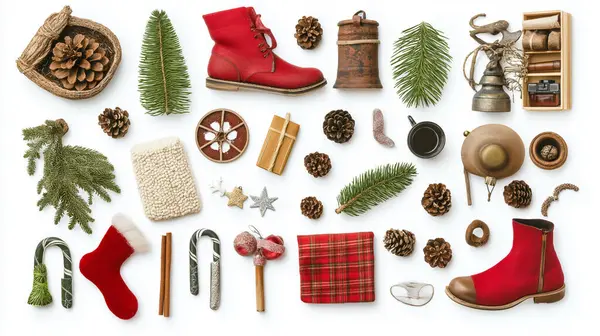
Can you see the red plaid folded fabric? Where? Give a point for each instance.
(337, 268)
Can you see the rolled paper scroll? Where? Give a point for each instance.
(547, 22)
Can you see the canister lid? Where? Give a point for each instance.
(359, 18)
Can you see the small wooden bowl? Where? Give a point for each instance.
(36, 58)
(548, 138)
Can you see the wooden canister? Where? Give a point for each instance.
(358, 53)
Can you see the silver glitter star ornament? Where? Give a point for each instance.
(263, 202)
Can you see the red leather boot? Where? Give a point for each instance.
(530, 270)
(242, 58)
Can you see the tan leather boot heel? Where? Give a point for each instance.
(550, 297)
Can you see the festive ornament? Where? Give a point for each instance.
(216, 187)
(236, 197)
(261, 249)
(378, 129)
(263, 202)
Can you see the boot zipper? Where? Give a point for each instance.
(542, 263)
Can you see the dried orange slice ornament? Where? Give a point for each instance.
(222, 135)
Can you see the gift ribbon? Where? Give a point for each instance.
(279, 142)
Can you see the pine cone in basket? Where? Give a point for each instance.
(399, 242)
(317, 164)
(308, 32)
(437, 199)
(517, 194)
(114, 123)
(311, 207)
(79, 62)
(438, 252)
(338, 126)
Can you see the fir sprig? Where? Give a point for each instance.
(164, 83)
(374, 187)
(67, 169)
(421, 63)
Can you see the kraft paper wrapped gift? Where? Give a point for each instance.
(278, 144)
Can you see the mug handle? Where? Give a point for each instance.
(412, 121)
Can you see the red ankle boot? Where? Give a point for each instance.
(242, 58)
(530, 270)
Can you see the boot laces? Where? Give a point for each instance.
(260, 31)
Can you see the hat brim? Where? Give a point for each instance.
(493, 134)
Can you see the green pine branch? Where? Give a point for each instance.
(421, 63)
(67, 171)
(164, 83)
(374, 187)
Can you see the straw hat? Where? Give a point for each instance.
(492, 151)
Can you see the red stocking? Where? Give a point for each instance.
(103, 265)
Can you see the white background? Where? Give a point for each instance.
(22, 226)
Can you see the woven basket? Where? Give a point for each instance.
(36, 58)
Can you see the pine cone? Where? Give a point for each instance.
(308, 32)
(517, 194)
(311, 207)
(437, 199)
(114, 123)
(79, 62)
(399, 242)
(317, 164)
(549, 153)
(338, 126)
(438, 252)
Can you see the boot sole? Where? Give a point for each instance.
(547, 297)
(219, 84)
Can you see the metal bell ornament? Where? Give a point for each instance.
(491, 97)
(358, 53)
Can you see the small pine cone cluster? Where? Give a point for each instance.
(437, 199)
(517, 194)
(79, 62)
(338, 126)
(114, 122)
(317, 164)
(438, 252)
(399, 242)
(308, 32)
(311, 207)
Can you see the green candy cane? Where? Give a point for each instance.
(40, 295)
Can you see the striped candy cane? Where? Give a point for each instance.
(40, 281)
(215, 267)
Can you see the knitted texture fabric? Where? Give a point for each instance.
(165, 181)
(337, 268)
(103, 265)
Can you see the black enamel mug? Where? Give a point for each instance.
(425, 139)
